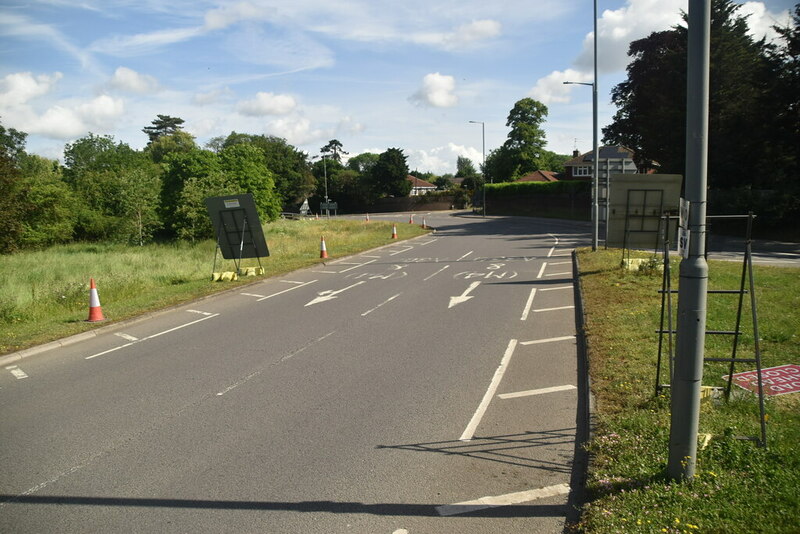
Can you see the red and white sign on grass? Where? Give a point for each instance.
(776, 380)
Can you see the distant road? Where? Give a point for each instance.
(428, 386)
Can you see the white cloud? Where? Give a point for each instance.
(267, 104)
(101, 111)
(18, 88)
(222, 17)
(442, 159)
(760, 21)
(464, 36)
(129, 80)
(297, 130)
(551, 89)
(212, 97)
(20, 26)
(437, 90)
(143, 43)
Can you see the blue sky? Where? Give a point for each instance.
(373, 74)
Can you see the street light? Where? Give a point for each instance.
(325, 174)
(596, 166)
(483, 166)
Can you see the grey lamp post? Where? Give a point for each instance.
(483, 166)
(596, 166)
(325, 174)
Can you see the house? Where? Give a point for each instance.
(539, 176)
(419, 186)
(613, 160)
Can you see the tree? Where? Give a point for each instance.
(12, 143)
(243, 164)
(199, 169)
(163, 125)
(10, 206)
(526, 140)
(502, 165)
(139, 198)
(651, 115)
(363, 163)
(390, 172)
(464, 167)
(178, 141)
(48, 206)
(334, 150)
(443, 183)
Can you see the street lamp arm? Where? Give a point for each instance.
(590, 84)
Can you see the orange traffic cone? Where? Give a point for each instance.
(323, 252)
(367, 219)
(95, 311)
(424, 223)
(394, 231)
(316, 216)
(411, 219)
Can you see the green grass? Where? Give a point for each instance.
(738, 486)
(44, 295)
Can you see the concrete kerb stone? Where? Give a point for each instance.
(19, 355)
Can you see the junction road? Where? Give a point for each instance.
(427, 386)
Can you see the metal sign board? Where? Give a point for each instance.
(328, 206)
(775, 380)
(237, 226)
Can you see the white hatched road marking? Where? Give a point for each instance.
(387, 301)
(502, 500)
(126, 336)
(469, 432)
(528, 305)
(434, 274)
(555, 288)
(301, 284)
(555, 309)
(18, 373)
(548, 340)
(541, 271)
(540, 391)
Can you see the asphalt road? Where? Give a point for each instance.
(429, 386)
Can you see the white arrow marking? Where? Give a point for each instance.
(330, 294)
(463, 297)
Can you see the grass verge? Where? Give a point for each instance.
(44, 295)
(738, 487)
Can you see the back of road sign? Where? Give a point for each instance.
(237, 226)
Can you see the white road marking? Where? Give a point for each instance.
(421, 243)
(366, 256)
(555, 309)
(330, 294)
(555, 288)
(200, 312)
(531, 392)
(548, 340)
(465, 255)
(286, 357)
(562, 263)
(325, 272)
(18, 373)
(469, 432)
(292, 282)
(554, 246)
(252, 295)
(356, 265)
(209, 316)
(541, 271)
(502, 500)
(559, 274)
(528, 305)
(464, 296)
(434, 274)
(381, 304)
(126, 336)
(406, 249)
(302, 284)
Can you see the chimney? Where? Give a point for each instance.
(576, 153)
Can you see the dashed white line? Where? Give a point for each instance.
(559, 274)
(253, 295)
(561, 263)
(532, 392)
(291, 282)
(541, 271)
(528, 305)
(548, 340)
(502, 500)
(465, 255)
(126, 336)
(381, 304)
(434, 274)
(469, 432)
(555, 288)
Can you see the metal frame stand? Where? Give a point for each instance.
(666, 316)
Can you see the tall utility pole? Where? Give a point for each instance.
(692, 293)
(596, 166)
(483, 167)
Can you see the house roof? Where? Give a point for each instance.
(419, 183)
(604, 152)
(539, 176)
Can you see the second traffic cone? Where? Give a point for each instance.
(424, 223)
(367, 219)
(323, 251)
(95, 310)
(411, 219)
(394, 231)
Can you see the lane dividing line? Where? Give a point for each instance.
(555, 288)
(434, 274)
(252, 295)
(532, 392)
(541, 271)
(528, 305)
(406, 249)
(381, 304)
(548, 340)
(465, 255)
(502, 500)
(18, 373)
(127, 336)
(291, 282)
(555, 309)
(560, 274)
(469, 432)
(302, 284)
(210, 316)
